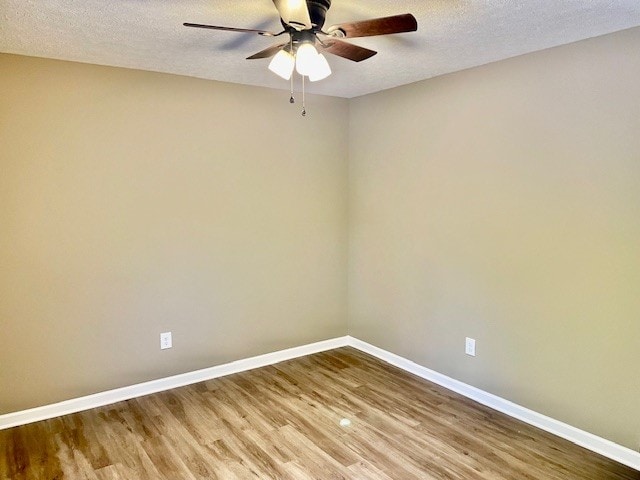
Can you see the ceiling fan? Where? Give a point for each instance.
(303, 21)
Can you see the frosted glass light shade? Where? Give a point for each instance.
(282, 64)
(321, 69)
(306, 58)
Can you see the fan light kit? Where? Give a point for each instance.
(306, 61)
(303, 21)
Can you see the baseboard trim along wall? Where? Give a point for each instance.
(587, 440)
(101, 399)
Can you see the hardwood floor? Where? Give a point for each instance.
(283, 421)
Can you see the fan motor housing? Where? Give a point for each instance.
(318, 11)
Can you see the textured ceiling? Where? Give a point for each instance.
(452, 35)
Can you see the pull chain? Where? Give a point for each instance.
(291, 99)
(304, 110)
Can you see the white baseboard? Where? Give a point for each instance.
(587, 440)
(74, 405)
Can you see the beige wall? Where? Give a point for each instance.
(133, 203)
(503, 203)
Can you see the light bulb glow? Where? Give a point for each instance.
(321, 69)
(282, 64)
(306, 58)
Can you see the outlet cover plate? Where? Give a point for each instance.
(165, 340)
(470, 346)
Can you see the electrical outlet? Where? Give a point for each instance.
(470, 346)
(165, 340)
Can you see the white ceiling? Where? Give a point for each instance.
(452, 35)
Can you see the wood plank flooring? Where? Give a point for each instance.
(283, 422)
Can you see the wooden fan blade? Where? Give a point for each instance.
(230, 29)
(294, 13)
(267, 52)
(376, 26)
(346, 50)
